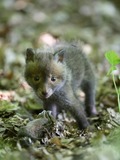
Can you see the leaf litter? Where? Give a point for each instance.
(28, 132)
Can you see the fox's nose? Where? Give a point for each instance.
(44, 93)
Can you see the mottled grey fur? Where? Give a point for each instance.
(75, 73)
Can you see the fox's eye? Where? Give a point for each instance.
(36, 78)
(53, 79)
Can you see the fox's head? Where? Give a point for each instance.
(43, 72)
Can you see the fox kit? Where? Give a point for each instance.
(56, 74)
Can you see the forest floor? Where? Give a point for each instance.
(27, 132)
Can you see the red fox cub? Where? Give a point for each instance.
(56, 74)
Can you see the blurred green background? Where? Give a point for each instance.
(32, 23)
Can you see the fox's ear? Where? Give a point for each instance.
(59, 56)
(29, 55)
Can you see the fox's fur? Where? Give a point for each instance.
(57, 74)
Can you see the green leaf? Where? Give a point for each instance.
(6, 106)
(113, 68)
(119, 90)
(112, 57)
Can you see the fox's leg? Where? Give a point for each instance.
(89, 89)
(53, 108)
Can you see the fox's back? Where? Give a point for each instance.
(76, 61)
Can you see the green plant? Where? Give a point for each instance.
(114, 60)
